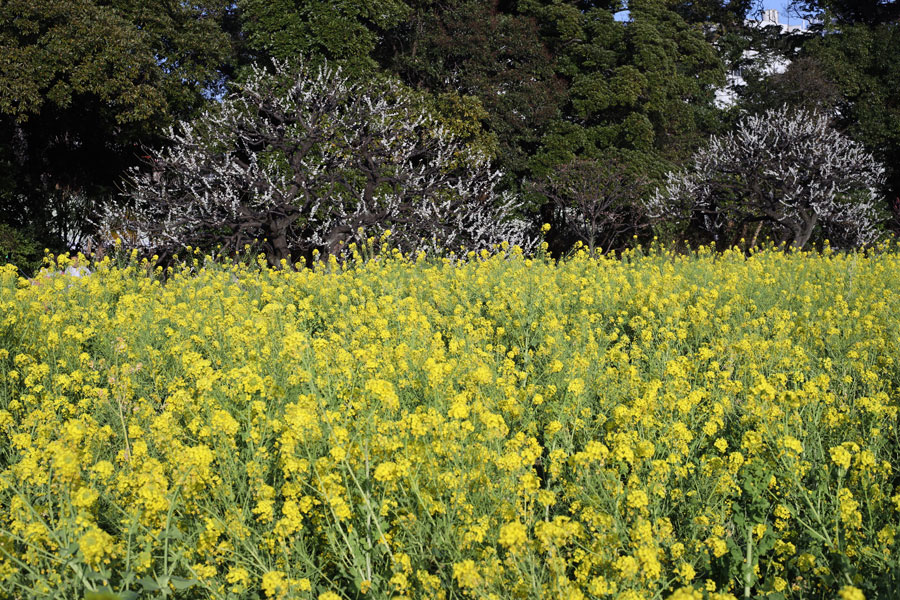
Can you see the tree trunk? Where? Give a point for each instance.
(756, 234)
(805, 232)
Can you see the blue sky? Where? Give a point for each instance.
(781, 5)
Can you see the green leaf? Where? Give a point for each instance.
(172, 533)
(182, 583)
(100, 596)
(148, 584)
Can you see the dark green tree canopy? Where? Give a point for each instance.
(482, 50)
(345, 32)
(55, 50)
(642, 88)
(864, 63)
(866, 12)
(729, 13)
(83, 83)
(139, 60)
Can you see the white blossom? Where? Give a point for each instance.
(789, 169)
(305, 160)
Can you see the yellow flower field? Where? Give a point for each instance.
(712, 426)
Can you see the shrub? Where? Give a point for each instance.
(19, 248)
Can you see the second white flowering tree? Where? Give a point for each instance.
(788, 170)
(305, 160)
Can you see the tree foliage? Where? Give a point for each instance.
(307, 157)
(486, 51)
(788, 170)
(804, 84)
(81, 83)
(642, 89)
(851, 12)
(595, 201)
(20, 249)
(345, 32)
(563, 80)
(727, 13)
(864, 64)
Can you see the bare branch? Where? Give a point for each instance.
(599, 201)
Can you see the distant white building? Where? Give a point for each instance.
(770, 17)
(765, 63)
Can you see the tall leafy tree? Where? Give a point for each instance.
(864, 62)
(643, 88)
(562, 80)
(729, 13)
(82, 83)
(857, 52)
(637, 94)
(487, 51)
(851, 12)
(60, 59)
(197, 46)
(345, 32)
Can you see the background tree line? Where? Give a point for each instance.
(584, 115)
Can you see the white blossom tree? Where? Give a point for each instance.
(305, 160)
(790, 170)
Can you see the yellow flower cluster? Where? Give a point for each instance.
(713, 426)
